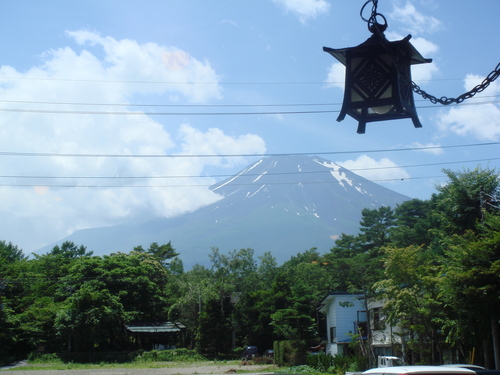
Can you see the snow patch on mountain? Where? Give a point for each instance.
(258, 178)
(238, 175)
(259, 189)
(361, 190)
(339, 176)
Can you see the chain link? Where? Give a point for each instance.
(469, 94)
(416, 89)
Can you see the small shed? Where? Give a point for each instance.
(156, 336)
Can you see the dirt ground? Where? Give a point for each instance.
(181, 370)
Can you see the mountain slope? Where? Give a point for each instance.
(284, 204)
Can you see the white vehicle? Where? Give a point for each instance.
(471, 367)
(419, 370)
(389, 361)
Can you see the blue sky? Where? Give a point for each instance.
(221, 77)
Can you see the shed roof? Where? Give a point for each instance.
(160, 327)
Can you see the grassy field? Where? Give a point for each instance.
(181, 367)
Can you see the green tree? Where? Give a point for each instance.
(472, 286)
(187, 295)
(10, 258)
(301, 284)
(70, 250)
(415, 223)
(99, 294)
(343, 263)
(162, 253)
(464, 199)
(414, 301)
(9, 253)
(374, 227)
(92, 318)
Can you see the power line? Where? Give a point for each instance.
(174, 105)
(53, 154)
(246, 174)
(141, 113)
(199, 82)
(194, 105)
(115, 113)
(208, 185)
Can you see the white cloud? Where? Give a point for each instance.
(413, 21)
(431, 148)
(127, 60)
(481, 121)
(305, 9)
(336, 76)
(371, 169)
(424, 72)
(48, 209)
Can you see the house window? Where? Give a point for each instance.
(362, 316)
(333, 334)
(377, 318)
(361, 328)
(360, 325)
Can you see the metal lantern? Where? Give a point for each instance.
(378, 85)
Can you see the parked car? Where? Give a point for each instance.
(465, 365)
(249, 353)
(479, 370)
(269, 353)
(419, 370)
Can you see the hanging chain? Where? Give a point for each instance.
(469, 94)
(375, 27)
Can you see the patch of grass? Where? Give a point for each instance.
(153, 359)
(304, 369)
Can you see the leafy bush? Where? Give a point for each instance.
(320, 361)
(180, 354)
(289, 353)
(303, 369)
(342, 363)
(337, 364)
(44, 358)
(262, 361)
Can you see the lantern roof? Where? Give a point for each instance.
(398, 47)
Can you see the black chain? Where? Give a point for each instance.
(469, 94)
(375, 27)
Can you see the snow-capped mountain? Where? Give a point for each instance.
(283, 204)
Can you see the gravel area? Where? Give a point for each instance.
(182, 370)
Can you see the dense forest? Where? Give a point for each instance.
(436, 261)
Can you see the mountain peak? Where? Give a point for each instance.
(281, 204)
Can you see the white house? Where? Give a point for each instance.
(386, 339)
(345, 316)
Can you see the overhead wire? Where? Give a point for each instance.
(199, 82)
(233, 184)
(422, 148)
(253, 113)
(246, 174)
(209, 185)
(193, 105)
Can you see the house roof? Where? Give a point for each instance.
(160, 327)
(331, 295)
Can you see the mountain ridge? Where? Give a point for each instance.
(281, 204)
